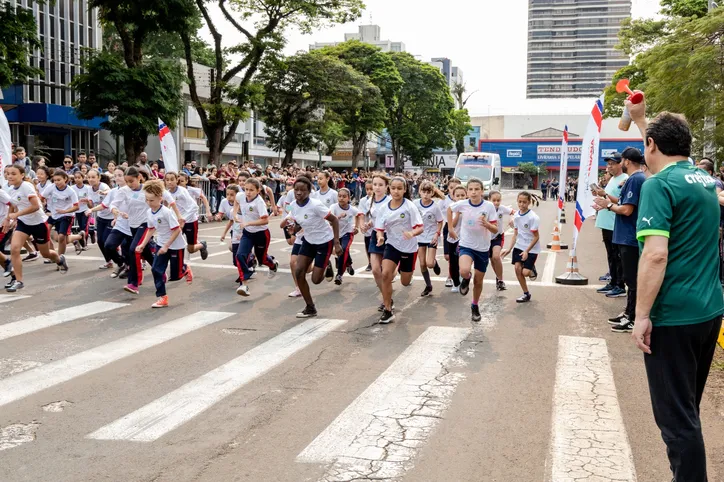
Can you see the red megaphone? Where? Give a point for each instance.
(634, 97)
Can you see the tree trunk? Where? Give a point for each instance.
(358, 148)
(288, 157)
(397, 152)
(213, 142)
(460, 146)
(133, 146)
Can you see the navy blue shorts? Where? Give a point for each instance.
(405, 261)
(529, 263)
(427, 245)
(480, 259)
(499, 240)
(445, 244)
(62, 225)
(373, 248)
(296, 248)
(4, 238)
(39, 232)
(319, 252)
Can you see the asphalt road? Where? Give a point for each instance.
(96, 386)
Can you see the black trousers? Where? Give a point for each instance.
(677, 370)
(614, 260)
(629, 258)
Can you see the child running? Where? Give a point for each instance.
(380, 186)
(99, 192)
(432, 219)
(525, 244)
(326, 194)
(190, 212)
(400, 221)
(119, 239)
(31, 221)
(296, 239)
(62, 202)
(364, 208)
(348, 221)
(321, 236)
(444, 204)
(169, 246)
(458, 194)
(479, 222)
(498, 242)
(251, 214)
(82, 190)
(5, 233)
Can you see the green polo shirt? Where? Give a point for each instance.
(680, 203)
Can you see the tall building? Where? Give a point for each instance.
(368, 34)
(571, 46)
(452, 74)
(40, 111)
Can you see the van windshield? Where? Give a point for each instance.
(465, 172)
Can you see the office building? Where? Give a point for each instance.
(452, 74)
(571, 46)
(368, 34)
(40, 111)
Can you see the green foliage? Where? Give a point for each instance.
(18, 39)
(461, 127)
(420, 119)
(684, 8)
(529, 168)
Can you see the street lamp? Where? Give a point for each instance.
(367, 158)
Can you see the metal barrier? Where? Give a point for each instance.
(205, 186)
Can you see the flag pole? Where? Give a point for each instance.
(555, 244)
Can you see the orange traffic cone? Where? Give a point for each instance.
(572, 276)
(555, 244)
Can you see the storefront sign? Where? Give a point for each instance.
(514, 153)
(547, 153)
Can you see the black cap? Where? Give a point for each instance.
(633, 155)
(614, 157)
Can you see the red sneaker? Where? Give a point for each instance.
(189, 275)
(162, 302)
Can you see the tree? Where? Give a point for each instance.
(18, 40)
(228, 98)
(459, 91)
(299, 91)
(419, 121)
(358, 120)
(125, 84)
(461, 127)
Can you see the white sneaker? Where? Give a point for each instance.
(295, 294)
(455, 289)
(242, 290)
(448, 283)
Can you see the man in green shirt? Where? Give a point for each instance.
(679, 304)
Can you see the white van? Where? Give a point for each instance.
(482, 165)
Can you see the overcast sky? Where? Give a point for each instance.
(487, 39)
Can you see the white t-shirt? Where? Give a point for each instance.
(252, 211)
(373, 209)
(445, 203)
(458, 223)
(135, 203)
(20, 198)
(328, 198)
(60, 200)
(312, 217)
(83, 194)
(98, 198)
(363, 207)
(394, 222)
(185, 204)
(471, 233)
(347, 218)
(226, 208)
(527, 225)
(121, 223)
(431, 215)
(195, 192)
(164, 222)
(4, 205)
(503, 211)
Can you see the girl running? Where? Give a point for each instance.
(99, 193)
(190, 212)
(295, 238)
(251, 214)
(498, 242)
(459, 194)
(444, 204)
(62, 202)
(400, 221)
(119, 239)
(321, 235)
(226, 208)
(197, 194)
(31, 221)
(432, 220)
(479, 222)
(348, 221)
(169, 246)
(364, 208)
(326, 194)
(380, 186)
(5, 234)
(82, 190)
(525, 244)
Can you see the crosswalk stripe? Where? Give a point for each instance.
(9, 298)
(178, 407)
(380, 431)
(33, 381)
(58, 317)
(589, 440)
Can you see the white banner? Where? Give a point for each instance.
(168, 148)
(6, 143)
(563, 173)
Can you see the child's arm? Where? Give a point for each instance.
(259, 222)
(451, 224)
(506, 252)
(146, 238)
(226, 229)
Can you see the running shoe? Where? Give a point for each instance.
(123, 273)
(329, 273)
(616, 292)
(605, 278)
(82, 243)
(475, 310)
(616, 320)
(605, 289)
(242, 290)
(47, 261)
(368, 268)
(533, 274)
(448, 283)
(107, 265)
(381, 308)
(92, 235)
(133, 289)
(189, 275)
(273, 271)
(455, 289)
(625, 326)
(143, 265)
(63, 265)
(10, 283)
(309, 312)
(252, 261)
(14, 286)
(162, 302)
(387, 317)
(295, 294)
(350, 270)
(436, 269)
(524, 299)
(238, 280)
(465, 286)
(204, 250)
(8, 268)
(31, 257)
(338, 279)
(500, 285)
(426, 291)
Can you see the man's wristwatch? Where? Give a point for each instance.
(609, 206)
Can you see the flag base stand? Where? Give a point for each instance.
(572, 276)
(563, 216)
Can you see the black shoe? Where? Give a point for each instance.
(465, 286)
(124, 273)
(329, 273)
(426, 291)
(92, 235)
(524, 299)
(533, 274)
(616, 320)
(475, 309)
(387, 317)
(625, 326)
(238, 280)
(78, 247)
(31, 257)
(204, 250)
(63, 265)
(616, 292)
(605, 289)
(338, 279)
(14, 286)
(368, 268)
(436, 269)
(500, 285)
(309, 312)
(350, 270)
(381, 308)
(9, 283)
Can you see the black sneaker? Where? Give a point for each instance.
(116, 271)
(124, 273)
(309, 312)
(8, 268)
(83, 243)
(381, 308)
(426, 291)
(368, 268)
(204, 250)
(523, 299)
(465, 286)
(533, 274)
(387, 317)
(78, 247)
(31, 257)
(436, 269)
(605, 289)
(625, 326)
(616, 320)
(63, 265)
(92, 235)
(329, 273)
(616, 292)
(500, 285)
(14, 286)
(10, 283)
(338, 279)
(350, 270)
(475, 309)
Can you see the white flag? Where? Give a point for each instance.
(6, 143)
(168, 147)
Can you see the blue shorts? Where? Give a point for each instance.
(319, 252)
(39, 232)
(529, 263)
(427, 245)
(296, 247)
(480, 259)
(373, 248)
(62, 225)
(499, 240)
(405, 261)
